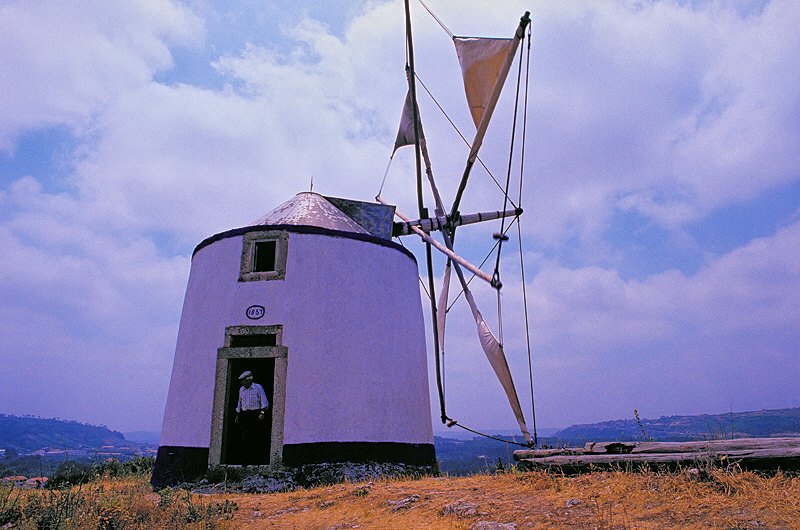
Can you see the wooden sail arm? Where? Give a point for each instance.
(446, 251)
(441, 222)
(489, 344)
(487, 115)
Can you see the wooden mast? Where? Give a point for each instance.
(423, 213)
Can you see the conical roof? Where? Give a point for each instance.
(310, 209)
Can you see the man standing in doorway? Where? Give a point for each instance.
(250, 413)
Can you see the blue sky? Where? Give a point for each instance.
(662, 189)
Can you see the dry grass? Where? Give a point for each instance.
(709, 499)
(110, 504)
(539, 500)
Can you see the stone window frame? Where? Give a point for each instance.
(246, 272)
(224, 378)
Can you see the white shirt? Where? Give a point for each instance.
(252, 398)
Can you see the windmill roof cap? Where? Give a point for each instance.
(310, 209)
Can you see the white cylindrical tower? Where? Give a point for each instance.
(324, 309)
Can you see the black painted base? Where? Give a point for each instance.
(391, 452)
(185, 464)
(179, 464)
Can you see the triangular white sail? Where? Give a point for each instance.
(497, 359)
(405, 133)
(481, 62)
(441, 310)
(476, 57)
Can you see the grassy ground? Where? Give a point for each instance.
(705, 499)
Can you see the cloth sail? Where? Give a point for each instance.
(481, 61)
(441, 311)
(405, 133)
(497, 359)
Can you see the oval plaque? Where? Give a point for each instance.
(254, 312)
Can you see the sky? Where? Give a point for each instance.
(661, 233)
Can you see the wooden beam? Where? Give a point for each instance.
(684, 447)
(750, 453)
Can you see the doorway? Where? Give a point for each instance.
(256, 349)
(234, 444)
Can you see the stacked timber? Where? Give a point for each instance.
(749, 453)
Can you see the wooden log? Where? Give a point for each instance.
(771, 458)
(685, 447)
(543, 453)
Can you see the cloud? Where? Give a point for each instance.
(63, 61)
(743, 136)
(89, 317)
(639, 110)
(661, 108)
(661, 112)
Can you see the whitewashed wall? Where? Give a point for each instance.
(352, 321)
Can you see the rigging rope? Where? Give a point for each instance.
(453, 423)
(501, 237)
(485, 259)
(437, 19)
(519, 238)
(463, 138)
(422, 282)
(527, 331)
(385, 173)
(508, 171)
(499, 318)
(525, 114)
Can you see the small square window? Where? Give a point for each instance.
(264, 256)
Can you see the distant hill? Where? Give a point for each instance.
(144, 437)
(460, 456)
(757, 424)
(24, 434)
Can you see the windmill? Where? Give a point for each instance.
(318, 302)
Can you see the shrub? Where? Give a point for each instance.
(141, 465)
(75, 473)
(111, 468)
(71, 474)
(111, 504)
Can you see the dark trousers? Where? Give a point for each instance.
(252, 431)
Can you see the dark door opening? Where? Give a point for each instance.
(234, 450)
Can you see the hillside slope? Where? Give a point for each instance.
(756, 424)
(25, 434)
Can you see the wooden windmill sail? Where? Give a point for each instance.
(485, 63)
